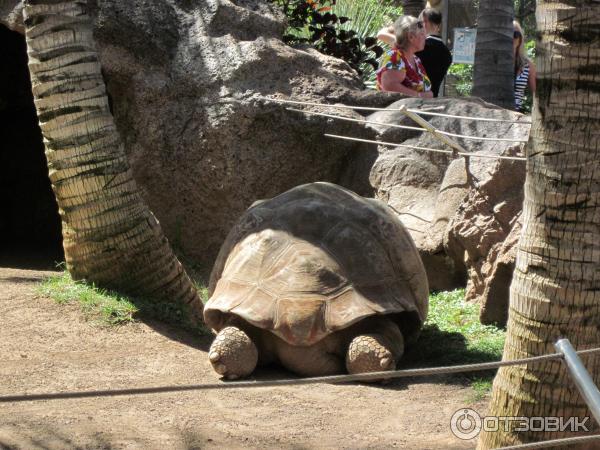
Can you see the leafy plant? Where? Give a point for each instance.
(315, 23)
(463, 76)
(366, 18)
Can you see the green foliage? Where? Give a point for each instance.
(112, 308)
(367, 17)
(482, 387)
(453, 334)
(202, 291)
(530, 47)
(450, 313)
(314, 22)
(463, 74)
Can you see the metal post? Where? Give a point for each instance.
(583, 381)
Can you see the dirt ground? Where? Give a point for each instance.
(46, 347)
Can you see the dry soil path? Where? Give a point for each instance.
(45, 347)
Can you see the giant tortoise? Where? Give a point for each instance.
(316, 279)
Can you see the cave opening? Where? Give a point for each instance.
(30, 228)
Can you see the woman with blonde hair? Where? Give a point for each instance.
(400, 70)
(524, 68)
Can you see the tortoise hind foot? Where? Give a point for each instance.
(370, 353)
(233, 354)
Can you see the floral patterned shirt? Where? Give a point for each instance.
(416, 78)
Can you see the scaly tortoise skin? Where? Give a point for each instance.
(317, 279)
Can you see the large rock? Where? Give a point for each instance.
(429, 190)
(484, 232)
(185, 81)
(496, 276)
(11, 15)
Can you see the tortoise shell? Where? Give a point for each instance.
(316, 259)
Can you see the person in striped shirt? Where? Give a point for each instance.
(524, 68)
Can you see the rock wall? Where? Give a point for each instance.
(456, 210)
(185, 81)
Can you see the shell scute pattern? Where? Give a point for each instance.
(318, 259)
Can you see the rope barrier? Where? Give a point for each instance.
(405, 213)
(479, 119)
(427, 149)
(406, 127)
(332, 379)
(417, 111)
(553, 443)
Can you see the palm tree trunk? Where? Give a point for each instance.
(556, 284)
(110, 237)
(493, 74)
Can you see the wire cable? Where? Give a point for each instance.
(406, 127)
(332, 379)
(553, 443)
(417, 111)
(426, 149)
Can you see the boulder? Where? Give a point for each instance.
(11, 15)
(186, 82)
(496, 276)
(483, 233)
(431, 191)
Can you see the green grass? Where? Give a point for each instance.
(110, 308)
(481, 389)
(198, 273)
(453, 335)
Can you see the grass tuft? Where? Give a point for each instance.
(453, 335)
(482, 387)
(112, 308)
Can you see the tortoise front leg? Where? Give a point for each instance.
(233, 354)
(377, 351)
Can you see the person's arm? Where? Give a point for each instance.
(387, 35)
(532, 76)
(391, 81)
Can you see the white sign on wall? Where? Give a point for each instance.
(464, 45)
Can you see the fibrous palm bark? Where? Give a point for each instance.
(556, 284)
(110, 237)
(493, 72)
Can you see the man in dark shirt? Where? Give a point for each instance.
(436, 57)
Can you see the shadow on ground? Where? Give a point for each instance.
(91, 436)
(433, 348)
